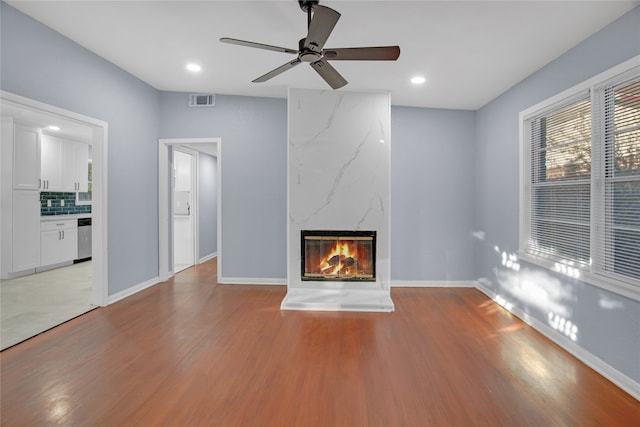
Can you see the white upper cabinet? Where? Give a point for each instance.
(26, 158)
(52, 166)
(64, 164)
(79, 153)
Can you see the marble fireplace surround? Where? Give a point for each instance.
(338, 179)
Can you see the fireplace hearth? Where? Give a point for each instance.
(345, 256)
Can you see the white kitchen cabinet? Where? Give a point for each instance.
(52, 166)
(64, 164)
(26, 233)
(20, 207)
(58, 242)
(79, 155)
(26, 158)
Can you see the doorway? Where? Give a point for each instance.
(204, 208)
(86, 282)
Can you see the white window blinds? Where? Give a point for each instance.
(617, 239)
(580, 207)
(559, 183)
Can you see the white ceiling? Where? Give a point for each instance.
(469, 51)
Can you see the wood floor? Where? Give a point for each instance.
(190, 352)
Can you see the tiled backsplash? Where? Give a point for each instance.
(56, 207)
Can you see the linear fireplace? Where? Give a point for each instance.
(346, 256)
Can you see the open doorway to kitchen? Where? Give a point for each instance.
(203, 212)
(45, 279)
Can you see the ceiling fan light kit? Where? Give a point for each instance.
(321, 21)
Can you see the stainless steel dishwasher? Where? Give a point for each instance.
(84, 239)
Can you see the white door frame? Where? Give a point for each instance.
(165, 239)
(99, 230)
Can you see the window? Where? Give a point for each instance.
(580, 181)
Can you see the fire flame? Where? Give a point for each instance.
(341, 260)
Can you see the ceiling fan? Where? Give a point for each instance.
(320, 23)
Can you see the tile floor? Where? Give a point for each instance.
(33, 304)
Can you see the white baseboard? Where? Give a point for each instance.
(132, 290)
(251, 281)
(52, 266)
(433, 284)
(207, 257)
(601, 367)
(16, 274)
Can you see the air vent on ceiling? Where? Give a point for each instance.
(201, 100)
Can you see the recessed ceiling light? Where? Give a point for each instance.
(418, 80)
(193, 67)
(53, 128)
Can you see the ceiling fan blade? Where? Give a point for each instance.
(329, 74)
(281, 69)
(378, 53)
(322, 23)
(257, 45)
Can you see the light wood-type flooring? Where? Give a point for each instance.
(191, 352)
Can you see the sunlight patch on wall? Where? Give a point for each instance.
(567, 270)
(536, 288)
(526, 288)
(563, 326)
(480, 235)
(609, 303)
(510, 261)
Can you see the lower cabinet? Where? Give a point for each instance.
(58, 242)
(25, 235)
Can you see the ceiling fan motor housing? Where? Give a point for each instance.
(308, 54)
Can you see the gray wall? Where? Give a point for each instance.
(431, 225)
(607, 323)
(41, 64)
(254, 175)
(208, 205)
(432, 209)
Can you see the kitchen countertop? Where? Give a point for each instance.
(63, 217)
